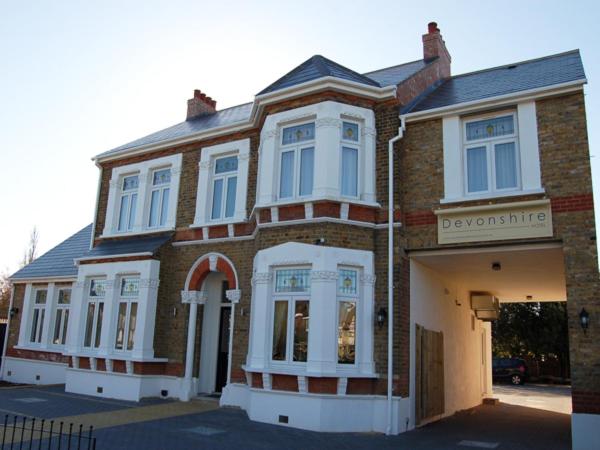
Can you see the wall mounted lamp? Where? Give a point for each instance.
(13, 311)
(381, 316)
(584, 320)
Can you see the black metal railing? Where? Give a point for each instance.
(29, 433)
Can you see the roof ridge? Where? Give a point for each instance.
(392, 67)
(516, 63)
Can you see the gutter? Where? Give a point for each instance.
(96, 206)
(390, 374)
(6, 333)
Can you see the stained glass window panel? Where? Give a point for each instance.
(299, 133)
(490, 128)
(292, 280)
(228, 164)
(350, 131)
(161, 177)
(64, 296)
(130, 183)
(130, 287)
(347, 282)
(97, 288)
(40, 296)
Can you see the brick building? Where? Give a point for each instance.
(217, 241)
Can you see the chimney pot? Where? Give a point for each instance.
(432, 28)
(200, 105)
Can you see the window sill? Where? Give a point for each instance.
(303, 200)
(216, 223)
(114, 356)
(38, 348)
(490, 196)
(136, 233)
(301, 372)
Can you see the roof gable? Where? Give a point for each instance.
(314, 68)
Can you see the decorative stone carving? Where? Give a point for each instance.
(302, 384)
(150, 283)
(262, 277)
(368, 131)
(328, 122)
(190, 297)
(244, 156)
(205, 165)
(114, 183)
(323, 275)
(268, 134)
(342, 385)
(233, 295)
(212, 262)
(368, 278)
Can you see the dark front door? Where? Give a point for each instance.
(223, 351)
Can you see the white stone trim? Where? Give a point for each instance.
(198, 297)
(144, 169)
(241, 148)
(233, 295)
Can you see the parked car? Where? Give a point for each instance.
(509, 369)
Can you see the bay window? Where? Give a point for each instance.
(296, 172)
(38, 315)
(159, 198)
(224, 187)
(291, 299)
(491, 154)
(61, 321)
(128, 202)
(129, 292)
(94, 312)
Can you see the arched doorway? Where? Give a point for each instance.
(212, 282)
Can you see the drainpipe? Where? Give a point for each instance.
(6, 334)
(390, 374)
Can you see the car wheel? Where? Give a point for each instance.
(516, 379)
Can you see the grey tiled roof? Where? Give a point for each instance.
(58, 262)
(397, 74)
(511, 78)
(314, 68)
(148, 244)
(229, 116)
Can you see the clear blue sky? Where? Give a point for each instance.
(78, 78)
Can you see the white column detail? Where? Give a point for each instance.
(26, 316)
(369, 143)
(49, 319)
(109, 315)
(327, 155)
(528, 146)
(453, 167)
(143, 342)
(268, 163)
(366, 324)
(75, 326)
(258, 355)
(193, 298)
(322, 355)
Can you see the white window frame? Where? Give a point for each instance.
(129, 218)
(97, 300)
(64, 311)
(160, 188)
(204, 194)
(340, 297)
(357, 145)
(225, 176)
(489, 144)
(328, 117)
(291, 298)
(297, 148)
(145, 171)
(128, 301)
(39, 325)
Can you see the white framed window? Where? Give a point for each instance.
(291, 301)
(159, 198)
(61, 318)
(142, 197)
(491, 154)
(222, 183)
(349, 160)
(224, 187)
(129, 292)
(347, 306)
(296, 161)
(94, 312)
(38, 315)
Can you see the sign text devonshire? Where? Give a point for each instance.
(495, 222)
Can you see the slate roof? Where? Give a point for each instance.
(128, 246)
(397, 74)
(536, 73)
(58, 262)
(314, 68)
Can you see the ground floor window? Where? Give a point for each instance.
(347, 300)
(127, 316)
(95, 312)
(61, 321)
(39, 311)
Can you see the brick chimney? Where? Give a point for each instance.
(434, 46)
(200, 105)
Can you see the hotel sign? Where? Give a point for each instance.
(517, 220)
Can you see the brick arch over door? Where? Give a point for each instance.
(211, 262)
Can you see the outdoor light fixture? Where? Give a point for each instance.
(14, 312)
(381, 316)
(584, 319)
(496, 266)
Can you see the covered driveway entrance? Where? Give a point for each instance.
(443, 286)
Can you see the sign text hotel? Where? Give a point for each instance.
(495, 222)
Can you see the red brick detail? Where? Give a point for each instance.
(362, 213)
(189, 234)
(223, 266)
(265, 215)
(361, 386)
(220, 231)
(322, 385)
(101, 364)
(244, 229)
(174, 369)
(149, 368)
(37, 355)
(119, 366)
(573, 203)
(84, 363)
(586, 402)
(257, 381)
(116, 259)
(326, 209)
(291, 212)
(199, 275)
(238, 376)
(284, 383)
(415, 218)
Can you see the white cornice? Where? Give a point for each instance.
(495, 102)
(59, 279)
(260, 101)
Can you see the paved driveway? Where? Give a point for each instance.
(200, 424)
(549, 397)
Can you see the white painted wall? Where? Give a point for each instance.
(26, 371)
(440, 305)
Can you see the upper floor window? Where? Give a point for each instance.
(143, 196)
(159, 198)
(39, 312)
(296, 172)
(491, 154)
(224, 187)
(128, 203)
(61, 321)
(350, 149)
